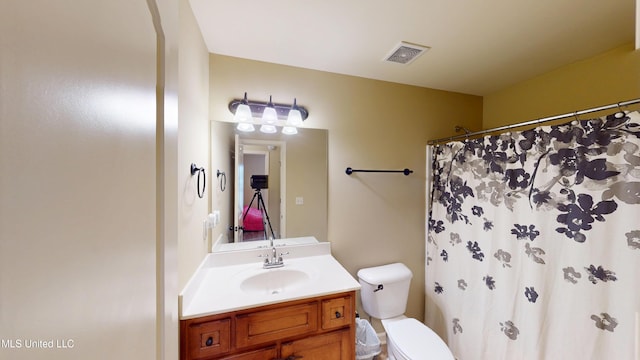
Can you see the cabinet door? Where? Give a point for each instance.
(208, 338)
(330, 346)
(337, 312)
(262, 354)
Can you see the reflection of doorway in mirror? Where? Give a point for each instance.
(261, 158)
(255, 163)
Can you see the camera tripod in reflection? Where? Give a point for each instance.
(263, 211)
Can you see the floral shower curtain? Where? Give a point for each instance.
(533, 242)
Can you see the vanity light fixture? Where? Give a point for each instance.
(268, 115)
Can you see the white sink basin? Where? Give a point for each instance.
(236, 280)
(274, 281)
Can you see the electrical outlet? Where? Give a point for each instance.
(299, 200)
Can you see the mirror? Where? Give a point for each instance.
(294, 196)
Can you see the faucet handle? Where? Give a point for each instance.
(280, 257)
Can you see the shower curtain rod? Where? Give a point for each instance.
(537, 121)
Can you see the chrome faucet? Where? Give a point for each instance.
(274, 261)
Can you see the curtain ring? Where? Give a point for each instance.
(620, 114)
(577, 120)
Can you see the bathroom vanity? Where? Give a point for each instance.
(234, 308)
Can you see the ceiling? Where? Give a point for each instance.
(477, 46)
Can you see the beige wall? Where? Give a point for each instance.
(79, 263)
(193, 145)
(373, 218)
(605, 79)
(307, 178)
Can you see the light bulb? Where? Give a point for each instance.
(289, 130)
(268, 129)
(246, 127)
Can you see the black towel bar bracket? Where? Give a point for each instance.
(406, 172)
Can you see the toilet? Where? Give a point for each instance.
(384, 294)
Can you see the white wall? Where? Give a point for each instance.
(80, 264)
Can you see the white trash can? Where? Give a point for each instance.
(367, 342)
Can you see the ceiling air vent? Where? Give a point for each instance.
(405, 53)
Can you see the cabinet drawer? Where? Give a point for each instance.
(337, 312)
(269, 353)
(336, 345)
(209, 338)
(274, 324)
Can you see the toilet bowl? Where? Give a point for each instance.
(384, 294)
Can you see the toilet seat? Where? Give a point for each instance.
(412, 339)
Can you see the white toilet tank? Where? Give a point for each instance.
(385, 290)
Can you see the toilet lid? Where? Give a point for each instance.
(414, 340)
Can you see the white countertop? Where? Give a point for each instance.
(248, 245)
(215, 287)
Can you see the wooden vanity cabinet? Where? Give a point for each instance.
(317, 328)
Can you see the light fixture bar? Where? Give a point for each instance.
(257, 109)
